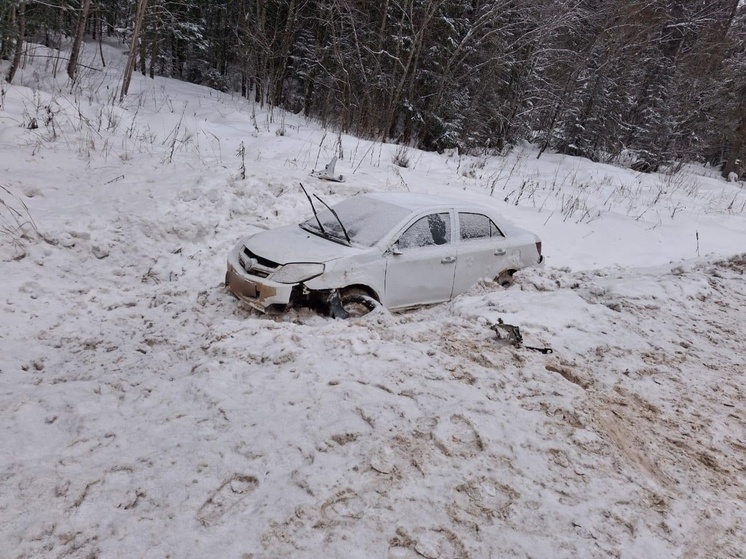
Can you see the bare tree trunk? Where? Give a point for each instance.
(101, 41)
(132, 57)
(261, 57)
(153, 52)
(382, 29)
(411, 66)
(736, 153)
(72, 66)
(143, 55)
(559, 106)
(21, 15)
(285, 47)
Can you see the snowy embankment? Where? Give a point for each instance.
(146, 414)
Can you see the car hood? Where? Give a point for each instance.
(293, 244)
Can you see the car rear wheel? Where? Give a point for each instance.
(505, 278)
(356, 302)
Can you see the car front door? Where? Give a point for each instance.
(421, 264)
(483, 251)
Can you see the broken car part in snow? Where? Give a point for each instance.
(511, 335)
(328, 173)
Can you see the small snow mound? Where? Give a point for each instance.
(546, 279)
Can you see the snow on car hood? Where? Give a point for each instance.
(293, 244)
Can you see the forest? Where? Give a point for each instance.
(650, 84)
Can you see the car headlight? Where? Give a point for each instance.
(298, 272)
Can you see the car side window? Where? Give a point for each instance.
(433, 229)
(477, 226)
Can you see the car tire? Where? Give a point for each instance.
(505, 279)
(356, 302)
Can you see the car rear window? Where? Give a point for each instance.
(477, 226)
(367, 220)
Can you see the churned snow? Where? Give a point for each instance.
(146, 413)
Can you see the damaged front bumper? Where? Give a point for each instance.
(259, 293)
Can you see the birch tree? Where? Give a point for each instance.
(132, 56)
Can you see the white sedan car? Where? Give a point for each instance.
(395, 249)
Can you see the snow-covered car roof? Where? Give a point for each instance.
(369, 217)
(415, 201)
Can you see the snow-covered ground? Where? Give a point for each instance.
(145, 413)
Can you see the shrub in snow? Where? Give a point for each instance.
(401, 157)
(16, 224)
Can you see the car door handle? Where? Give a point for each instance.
(448, 260)
(500, 252)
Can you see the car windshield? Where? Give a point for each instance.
(366, 220)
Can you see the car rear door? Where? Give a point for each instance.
(483, 250)
(420, 266)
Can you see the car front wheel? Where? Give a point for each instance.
(356, 302)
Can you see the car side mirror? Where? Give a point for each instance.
(395, 250)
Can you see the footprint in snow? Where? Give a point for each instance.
(343, 508)
(431, 543)
(230, 495)
(481, 499)
(383, 460)
(457, 436)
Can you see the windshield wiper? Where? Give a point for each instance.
(349, 242)
(321, 227)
